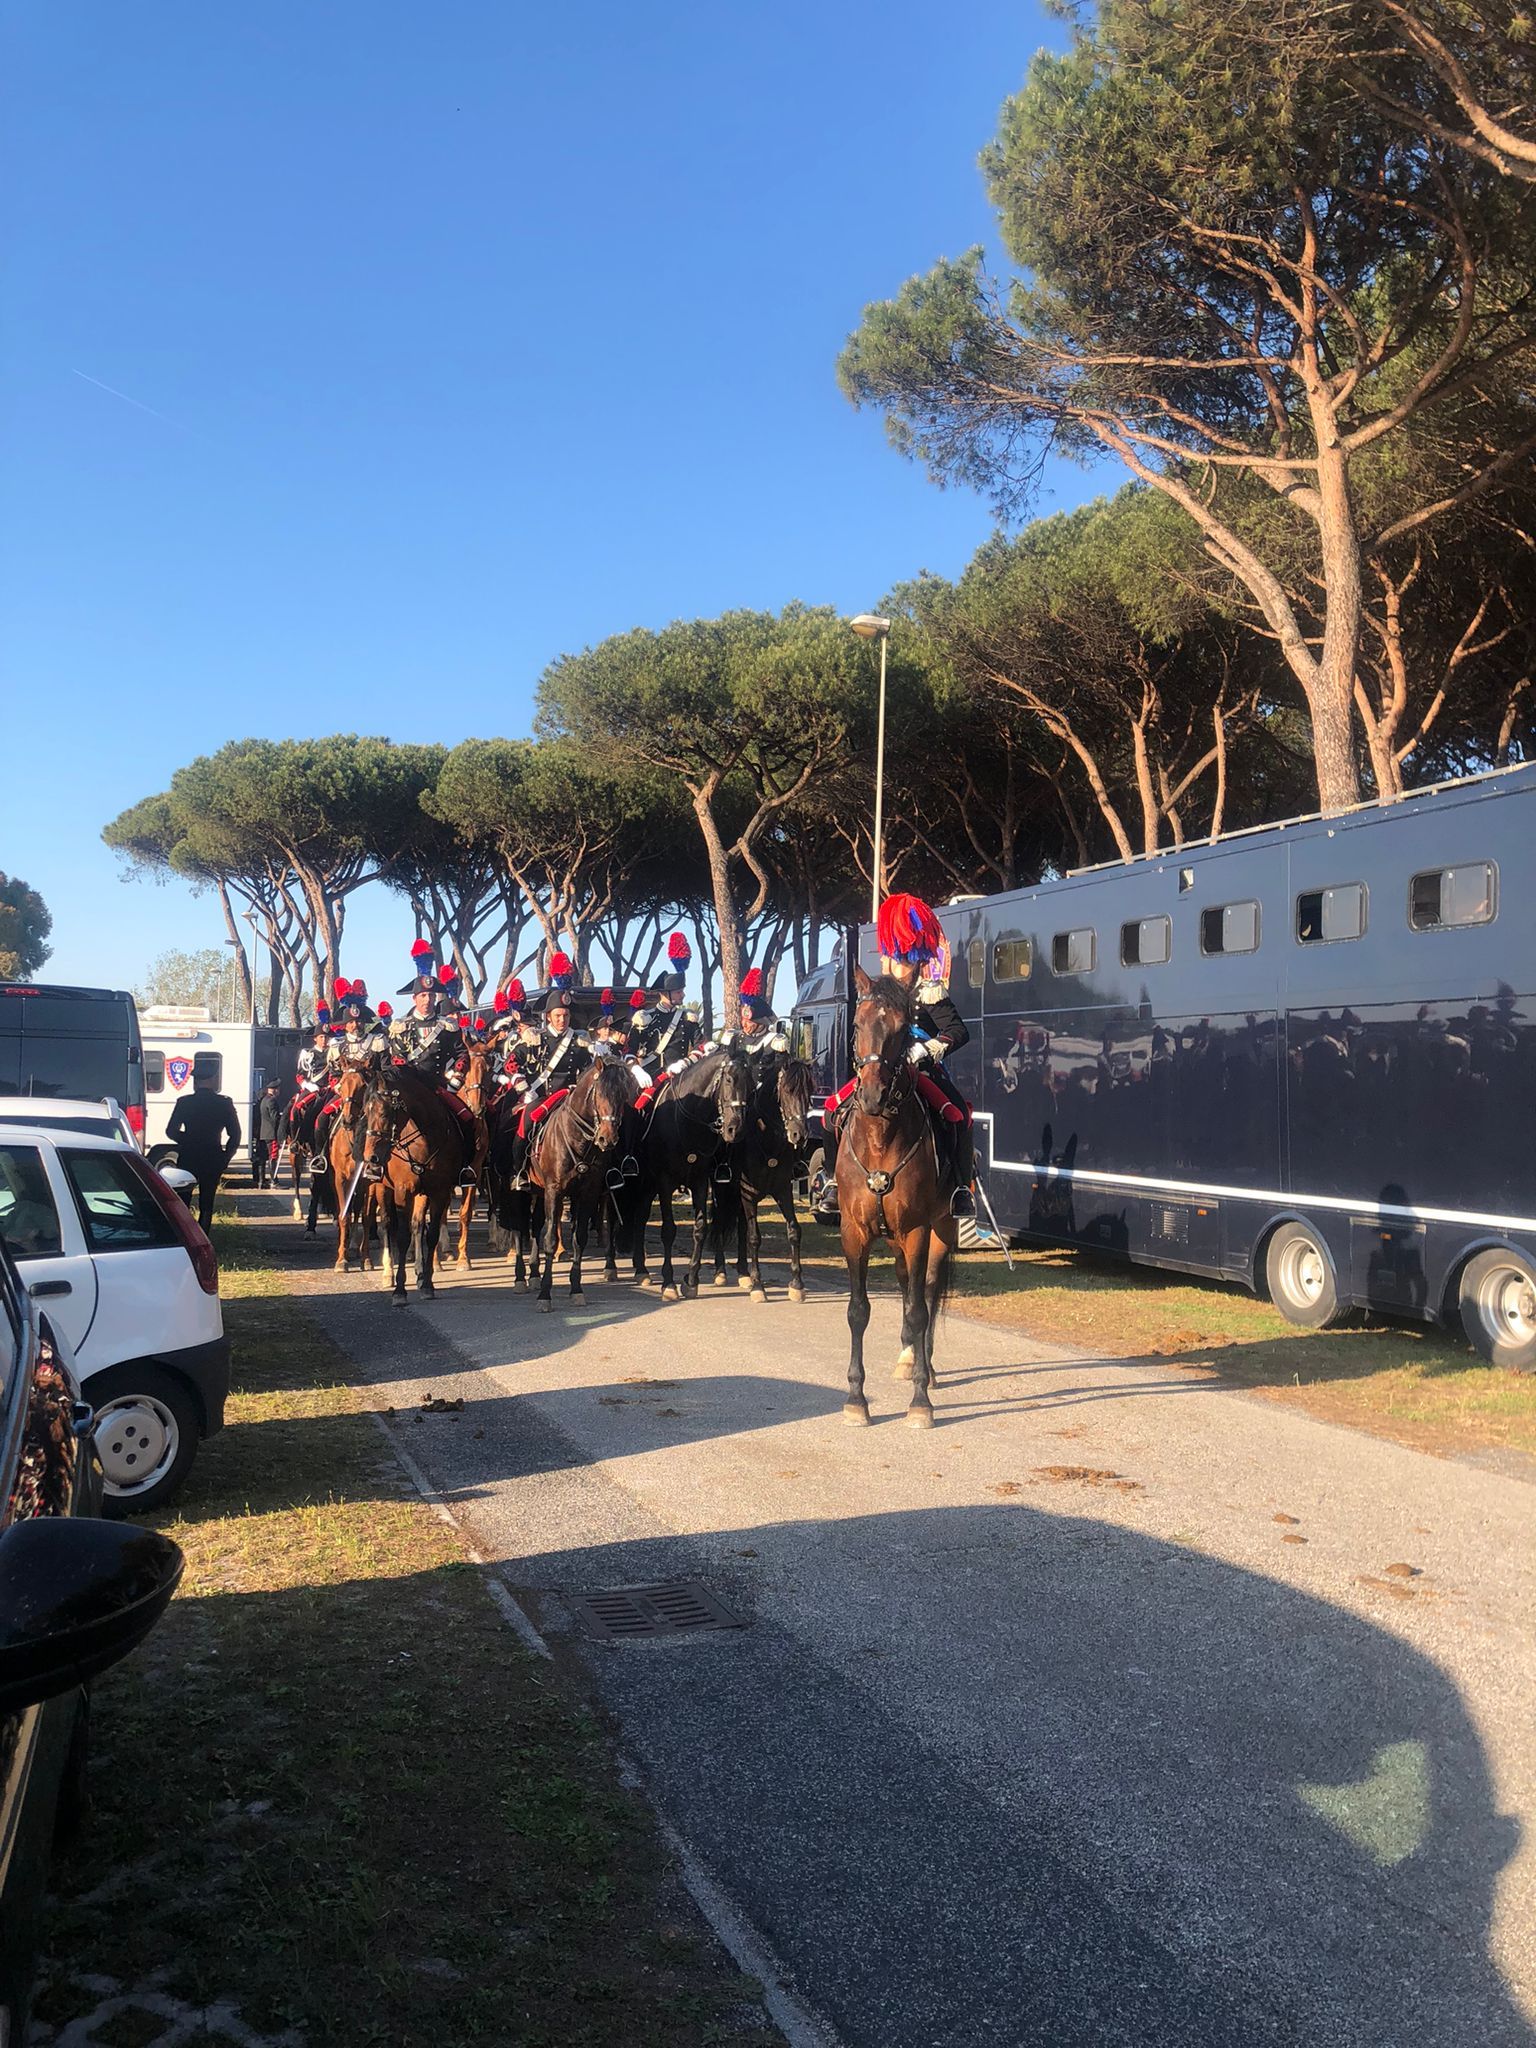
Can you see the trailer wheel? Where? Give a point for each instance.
(1300, 1277)
(1498, 1309)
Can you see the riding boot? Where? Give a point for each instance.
(962, 1202)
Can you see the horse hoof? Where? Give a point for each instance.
(797, 1294)
(545, 1307)
(920, 1418)
(744, 1283)
(719, 1279)
(397, 1299)
(647, 1284)
(578, 1300)
(759, 1294)
(856, 1412)
(669, 1294)
(426, 1294)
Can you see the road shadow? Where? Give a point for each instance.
(988, 1774)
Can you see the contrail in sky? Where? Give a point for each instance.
(129, 401)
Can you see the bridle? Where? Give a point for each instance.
(392, 1104)
(895, 1093)
(896, 1074)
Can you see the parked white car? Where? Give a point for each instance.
(131, 1283)
(101, 1118)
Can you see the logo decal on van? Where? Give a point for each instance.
(179, 1072)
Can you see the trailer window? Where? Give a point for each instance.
(1075, 952)
(1011, 959)
(976, 963)
(1323, 915)
(1451, 896)
(1146, 941)
(1230, 928)
(209, 1067)
(154, 1071)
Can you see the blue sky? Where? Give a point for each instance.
(438, 342)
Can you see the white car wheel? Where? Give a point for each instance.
(146, 1435)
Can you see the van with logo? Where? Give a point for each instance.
(183, 1045)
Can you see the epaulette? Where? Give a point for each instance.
(932, 991)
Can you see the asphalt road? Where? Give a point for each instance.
(1007, 1754)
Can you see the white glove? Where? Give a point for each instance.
(778, 1043)
(519, 1082)
(677, 1066)
(640, 1074)
(920, 1049)
(725, 1038)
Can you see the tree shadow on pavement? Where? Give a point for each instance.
(994, 1774)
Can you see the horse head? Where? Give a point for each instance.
(383, 1114)
(882, 1024)
(732, 1092)
(794, 1084)
(606, 1091)
(352, 1094)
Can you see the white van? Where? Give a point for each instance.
(182, 1043)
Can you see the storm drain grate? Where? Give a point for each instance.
(669, 1609)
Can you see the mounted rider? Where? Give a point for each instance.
(915, 953)
(662, 1036)
(559, 1056)
(362, 1036)
(760, 1035)
(428, 1036)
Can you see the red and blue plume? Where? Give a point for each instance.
(360, 988)
(908, 929)
(605, 1002)
(448, 975)
(340, 990)
(679, 952)
(559, 971)
(422, 957)
(501, 1005)
(322, 1014)
(514, 992)
(752, 982)
(386, 1011)
(637, 1000)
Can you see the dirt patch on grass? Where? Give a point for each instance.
(334, 1792)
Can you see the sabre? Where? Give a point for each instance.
(357, 1174)
(981, 1189)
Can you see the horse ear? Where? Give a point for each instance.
(861, 981)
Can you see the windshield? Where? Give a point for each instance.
(92, 1126)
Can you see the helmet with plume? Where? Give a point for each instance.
(559, 972)
(423, 968)
(752, 997)
(679, 953)
(908, 930)
(605, 1006)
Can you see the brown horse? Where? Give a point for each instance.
(475, 1091)
(344, 1153)
(890, 1184)
(572, 1154)
(413, 1153)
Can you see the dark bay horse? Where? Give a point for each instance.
(344, 1153)
(475, 1092)
(769, 1158)
(890, 1184)
(413, 1152)
(571, 1155)
(687, 1141)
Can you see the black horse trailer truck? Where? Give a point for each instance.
(1301, 1057)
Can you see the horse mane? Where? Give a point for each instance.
(799, 1078)
(610, 1078)
(892, 994)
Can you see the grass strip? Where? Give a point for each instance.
(335, 1793)
(1412, 1383)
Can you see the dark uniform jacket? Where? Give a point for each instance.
(204, 1129)
(559, 1061)
(427, 1044)
(665, 1037)
(938, 1019)
(269, 1119)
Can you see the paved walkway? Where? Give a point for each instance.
(1011, 1752)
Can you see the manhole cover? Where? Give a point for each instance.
(665, 1610)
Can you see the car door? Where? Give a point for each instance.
(42, 1232)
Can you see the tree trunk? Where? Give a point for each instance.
(725, 908)
(1330, 697)
(242, 958)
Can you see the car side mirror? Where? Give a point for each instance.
(76, 1596)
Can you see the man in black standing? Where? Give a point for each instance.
(206, 1133)
(267, 1138)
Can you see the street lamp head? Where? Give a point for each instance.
(870, 626)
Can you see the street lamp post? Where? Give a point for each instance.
(870, 626)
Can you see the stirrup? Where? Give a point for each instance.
(962, 1203)
(318, 1165)
(629, 1168)
(614, 1178)
(520, 1182)
(724, 1173)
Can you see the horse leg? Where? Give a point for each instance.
(468, 1203)
(581, 1222)
(668, 1239)
(700, 1196)
(856, 1407)
(361, 1208)
(431, 1212)
(614, 1218)
(905, 1357)
(397, 1231)
(717, 1237)
(752, 1227)
(940, 1248)
(915, 1320)
(792, 1228)
(553, 1199)
(639, 1223)
(747, 1275)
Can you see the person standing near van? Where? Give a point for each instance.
(206, 1132)
(268, 1138)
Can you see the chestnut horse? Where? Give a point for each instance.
(572, 1153)
(475, 1091)
(890, 1184)
(344, 1152)
(413, 1153)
